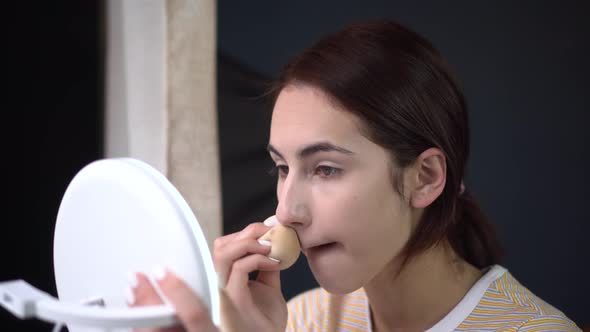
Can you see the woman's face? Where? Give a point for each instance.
(335, 189)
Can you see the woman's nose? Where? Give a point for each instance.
(293, 208)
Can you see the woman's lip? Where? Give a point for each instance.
(317, 246)
(313, 246)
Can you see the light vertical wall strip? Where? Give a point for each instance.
(193, 149)
(161, 102)
(136, 115)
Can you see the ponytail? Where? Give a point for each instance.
(472, 236)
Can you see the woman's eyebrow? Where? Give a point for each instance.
(273, 150)
(312, 149)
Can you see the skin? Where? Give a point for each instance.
(336, 189)
(334, 194)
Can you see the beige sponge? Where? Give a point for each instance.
(285, 244)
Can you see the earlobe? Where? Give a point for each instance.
(430, 179)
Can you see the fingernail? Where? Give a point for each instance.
(274, 259)
(220, 281)
(271, 221)
(265, 243)
(158, 273)
(129, 296)
(131, 279)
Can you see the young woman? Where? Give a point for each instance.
(370, 139)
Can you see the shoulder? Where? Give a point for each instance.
(508, 303)
(318, 310)
(550, 323)
(308, 303)
(307, 310)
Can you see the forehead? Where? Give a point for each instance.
(304, 114)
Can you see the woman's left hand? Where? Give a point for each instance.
(194, 316)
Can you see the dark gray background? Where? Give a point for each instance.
(524, 67)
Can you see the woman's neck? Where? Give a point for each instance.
(428, 287)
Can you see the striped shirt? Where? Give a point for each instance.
(497, 302)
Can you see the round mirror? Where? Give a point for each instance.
(119, 216)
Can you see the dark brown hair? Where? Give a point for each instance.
(402, 89)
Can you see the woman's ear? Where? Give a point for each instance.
(429, 177)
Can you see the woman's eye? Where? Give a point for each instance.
(326, 171)
(280, 170)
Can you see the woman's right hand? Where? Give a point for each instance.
(259, 302)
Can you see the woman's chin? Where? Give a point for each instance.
(338, 287)
(334, 282)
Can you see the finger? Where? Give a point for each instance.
(253, 230)
(190, 309)
(239, 273)
(144, 294)
(223, 240)
(270, 278)
(224, 258)
(230, 317)
(222, 261)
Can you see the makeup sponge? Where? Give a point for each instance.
(284, 244)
